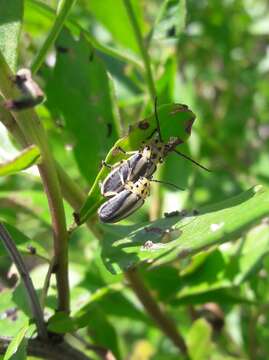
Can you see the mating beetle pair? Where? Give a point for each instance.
(127, 185)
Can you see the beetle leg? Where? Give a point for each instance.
(103, 163)
(121, 178)
(120, 149)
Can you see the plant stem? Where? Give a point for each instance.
(153, 309)
(49, 351)
(32, 297)
(34, 133)
(143, 50)
(61, 15)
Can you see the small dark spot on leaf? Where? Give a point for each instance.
(153, 229)
(12, 313)
(76, 218)
(189, 125)
(195, 212)
(31, 249)
(62, 49)
(109, 129)
(184, 253)
(171, 32)
(91, 57)
(143, 125)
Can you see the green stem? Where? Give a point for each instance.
(61, 15)
(143, 50)
(34, 133)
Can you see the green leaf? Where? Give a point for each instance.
(122, 31)
(199, 340)
(17, 348)
(27, 158)
(10, 26)
(102, 331)
(225, 269)
(61, 323)
(176, 120)
(177, 237)
(86, 107)
(171, 20)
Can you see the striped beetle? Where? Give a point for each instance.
(125, 202)
(142, 163)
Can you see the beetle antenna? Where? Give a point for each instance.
(157, 118)
(167, 183)
(190, 159)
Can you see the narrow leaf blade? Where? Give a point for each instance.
(27, 158)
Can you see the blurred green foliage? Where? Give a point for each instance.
(210, 268)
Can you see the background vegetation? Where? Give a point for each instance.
(199, 288)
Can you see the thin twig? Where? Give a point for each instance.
(32, 297)
(47, 283)
(142, 48)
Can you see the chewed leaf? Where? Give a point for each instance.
(27, 158)
(167, 239)
(176, 121)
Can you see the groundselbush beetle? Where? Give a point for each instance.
(125, 202)
(143, 163)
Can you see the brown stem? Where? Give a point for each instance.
(47, 350)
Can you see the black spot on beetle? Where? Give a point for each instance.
(143, 125)
(62, 49)
(109, 129)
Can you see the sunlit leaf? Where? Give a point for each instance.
(176, 237)
(27, 158)
(199, 340)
